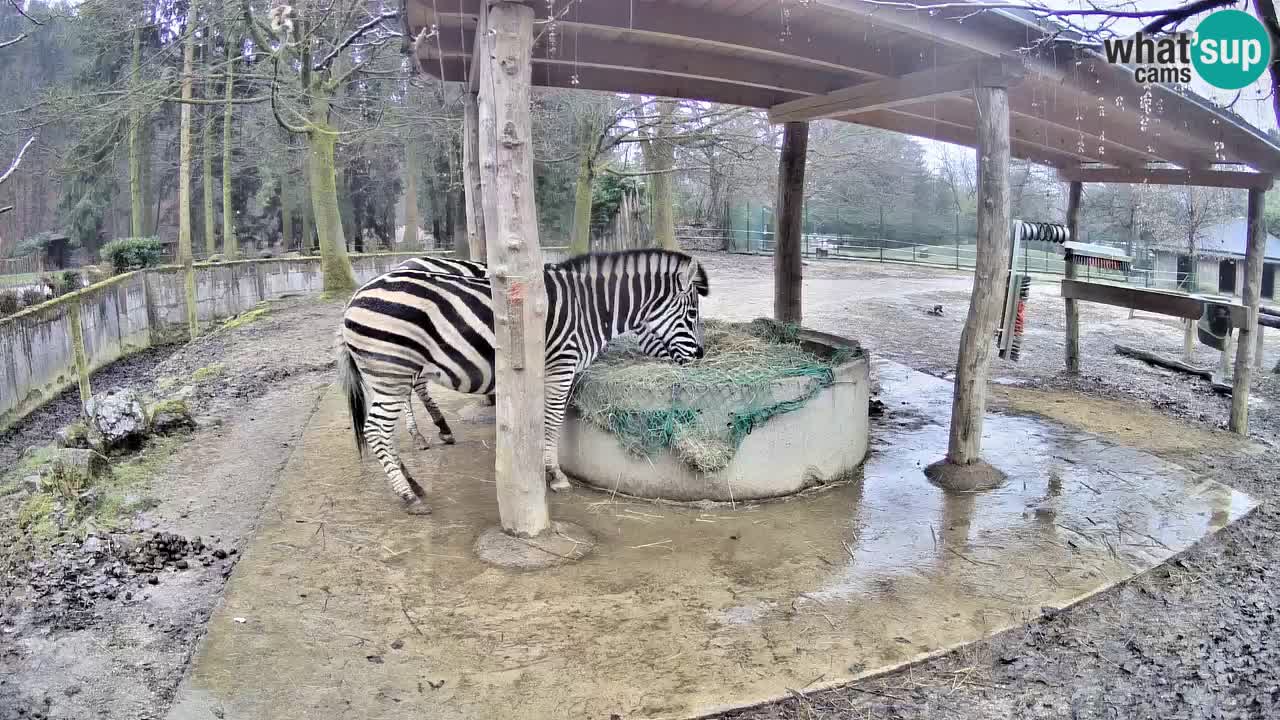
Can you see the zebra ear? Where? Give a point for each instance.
(694, 275)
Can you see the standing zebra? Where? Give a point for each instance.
(444, 266)
(408, 323)
(650, 344)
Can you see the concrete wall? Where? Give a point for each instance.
(136, 310)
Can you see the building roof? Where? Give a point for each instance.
(1229, 238)
(1071, 108)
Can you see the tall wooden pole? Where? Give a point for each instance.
(787, 267)
(1069, 269)
(989, 277)
(1251, 296)
(471, 178)
(515, 261)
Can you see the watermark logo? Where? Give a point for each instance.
(1230, 49)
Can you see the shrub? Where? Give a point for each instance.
(9, 302)
(69, 281)
(133, 253)
(32, 297)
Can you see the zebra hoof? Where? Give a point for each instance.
(420, 442)
(560, 484)
(447, 438)
(417, 507)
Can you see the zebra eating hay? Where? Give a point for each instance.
(410, 323)
(647, 341)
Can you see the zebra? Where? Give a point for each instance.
(445, 266)
(408, 323)
(649, 343)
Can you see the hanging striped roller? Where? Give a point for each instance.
(1043, 232)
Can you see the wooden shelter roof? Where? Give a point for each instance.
(906, 70)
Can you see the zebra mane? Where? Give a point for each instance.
(583, 263)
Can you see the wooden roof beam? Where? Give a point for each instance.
(1236, 179)
(958, 134)
(905, 90)
(664, 21)
(634, 80)
(692, 63)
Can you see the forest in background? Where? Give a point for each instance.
(308, 126)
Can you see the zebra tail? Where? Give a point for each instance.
(353, 385)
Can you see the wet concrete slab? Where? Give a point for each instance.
(344, 606)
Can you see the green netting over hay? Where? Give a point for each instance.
(702, 411)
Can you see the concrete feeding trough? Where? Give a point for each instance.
(813, 431)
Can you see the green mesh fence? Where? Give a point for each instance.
(702, 411)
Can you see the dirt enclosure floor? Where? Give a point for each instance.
(1191, 639)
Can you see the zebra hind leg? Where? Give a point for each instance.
(437, 417)
(379, 431)
(419, 440)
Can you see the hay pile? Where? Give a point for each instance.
(703, 410)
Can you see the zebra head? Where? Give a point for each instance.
(672, 328)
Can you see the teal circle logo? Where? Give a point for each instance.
(1231, 50)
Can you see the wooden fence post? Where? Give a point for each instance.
(1069, 271)
(471, 178)
(515, 261)
(788, 270)
(1251, 296)
(990, 270)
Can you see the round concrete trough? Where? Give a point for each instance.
(823, 441)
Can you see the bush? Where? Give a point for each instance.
(32, 297)
(9, 302)
(133, 253)
(69, 281)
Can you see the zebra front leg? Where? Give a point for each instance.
(557, 386)
(379, 431)
(446, 433)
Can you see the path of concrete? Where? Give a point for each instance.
(344, 606)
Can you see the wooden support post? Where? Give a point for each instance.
(473, 194)
(515, 261)
(1258, 352)
(1069, 270)
(1224, 360)
(990, 269)
(788, 241)
(1251, 296)
(1188, 339)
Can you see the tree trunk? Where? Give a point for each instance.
(580, 241)
(137, 201)
(411, 220)
(660, 159)
(476, 241)
(990, 271)
(1251, 297)
(338, 275)
(286, 217)
(206, 181)
(230, 243)
(184, 187)
(519, 296)
(1069, 270)
(787, 258)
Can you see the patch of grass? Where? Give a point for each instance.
(173, 405)
(208, 372)
(36, 516)
(165, 383)
(247, 317)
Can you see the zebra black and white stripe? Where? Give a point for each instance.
(410, 323)
(444, 266)
(649, 343)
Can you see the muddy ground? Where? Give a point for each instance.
(1188, 640)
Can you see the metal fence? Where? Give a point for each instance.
(959, 254)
